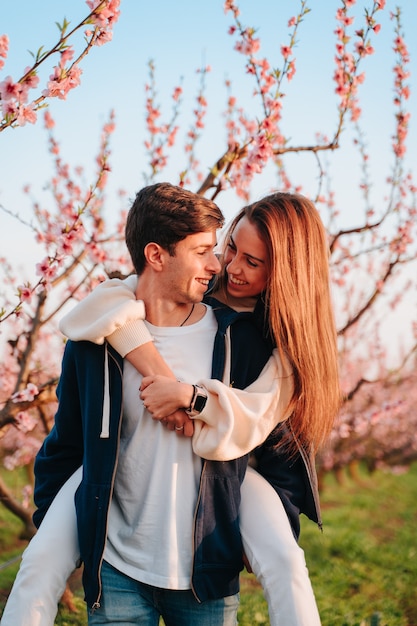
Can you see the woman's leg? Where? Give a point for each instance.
(274, 555)
(46, 564)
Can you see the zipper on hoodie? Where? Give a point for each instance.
(203, 470)
(226, 381)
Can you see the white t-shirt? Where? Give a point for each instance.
(156, 486)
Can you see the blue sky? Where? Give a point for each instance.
(180, 37)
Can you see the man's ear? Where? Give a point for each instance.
(154, 255)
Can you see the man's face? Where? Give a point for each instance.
(188, 273)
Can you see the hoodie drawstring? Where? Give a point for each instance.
(105, 420)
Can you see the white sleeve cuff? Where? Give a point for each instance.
(130, 336)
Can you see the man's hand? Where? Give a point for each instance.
(180, 423)
(164, 398)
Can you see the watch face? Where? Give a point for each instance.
(200, 403)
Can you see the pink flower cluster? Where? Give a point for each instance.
(27, 394)
(263, 137)
(63, 79)
(4, 48)
(194, 132)
(75, 231)
(104, 16)
(346, 74)
(401, 89)
(15, 95)
(25, 422)
(23, 454)
(162, 135)
(377, 427)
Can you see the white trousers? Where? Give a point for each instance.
(46, 564)
(274, 555)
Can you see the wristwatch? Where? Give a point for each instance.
(198, 401)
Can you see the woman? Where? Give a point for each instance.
(275, 271)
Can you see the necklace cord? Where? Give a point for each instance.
(189, 315)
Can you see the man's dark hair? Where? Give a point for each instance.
(166, 214)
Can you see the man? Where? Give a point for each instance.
(136, 506)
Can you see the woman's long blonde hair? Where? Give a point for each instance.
(298, 307)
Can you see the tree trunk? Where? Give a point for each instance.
(340, 475)
(14, 506)
(353, 469)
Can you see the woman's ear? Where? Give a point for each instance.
(154, 255)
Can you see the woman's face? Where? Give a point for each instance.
(245, 259)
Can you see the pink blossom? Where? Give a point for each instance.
(286, 51)
(172, 135)
(177, 93)
(248, 46)
(31, 79)
(9, 108)
(23, 455)
(405, 92)
(291, 70)
(103, 37)
(343, 18)
(66, 243)
(26, 395)
(62, 81)
(363, 50)
(26, 114)
(25, 422)
(4, 45)
(400, 73)
(49, 122)
(25, 293)
(106, 15)
(66, 55)
(10, 90)
(97, 253)
(230, 5)
(102, 181)
(400, 47)
(46, 269)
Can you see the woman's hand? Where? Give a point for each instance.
(165, 399)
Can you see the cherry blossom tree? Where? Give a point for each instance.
(368, 261)
(73, 239)
(19, 103)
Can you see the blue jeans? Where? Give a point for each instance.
(125, 601)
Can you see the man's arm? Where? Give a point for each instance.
(112, 313)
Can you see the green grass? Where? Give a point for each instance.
(363, 566)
